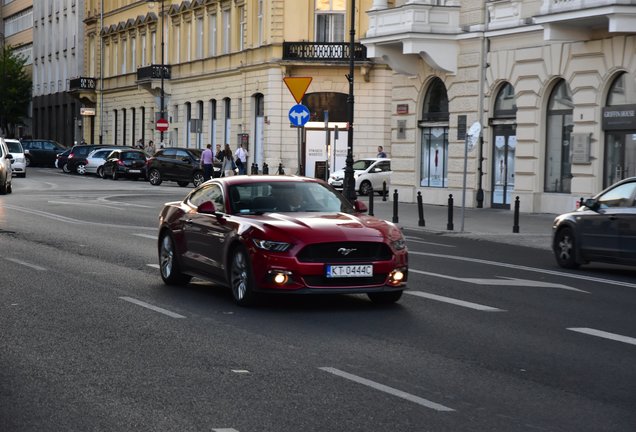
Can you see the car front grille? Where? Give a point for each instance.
(323, 281)
(345, 252)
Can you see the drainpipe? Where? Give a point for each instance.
(483, 64)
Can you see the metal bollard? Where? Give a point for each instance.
(515, 227)
(371, 193)
(395, 207)
(449, 225)
(281, 171)
(265, 169)
(254, 168)
(384, 191)
(420, 210)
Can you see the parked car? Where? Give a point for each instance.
(368, 174)
(125, 163)
(19, 161)
(280, 234)
(94, 161)
(61, 159)
(178, 164)
(41, 151)
(6, 159)
(603, 229)
(77, 157)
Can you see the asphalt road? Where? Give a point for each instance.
(490, 337)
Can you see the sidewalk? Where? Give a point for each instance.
(535, 229)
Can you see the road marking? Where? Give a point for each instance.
(531, 269)
(152, 307)
(390, 390)
(150, 236)
(502, 281)
(603, 334)
(26, 264)
(225, 430)
(455, 302)
(86, 203)
(153, 265)
(417, 240)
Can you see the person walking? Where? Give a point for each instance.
(228, 166)
(241, 159)
(381, 153)
(206, 162)
(150, 150)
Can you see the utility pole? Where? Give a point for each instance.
(349, 181)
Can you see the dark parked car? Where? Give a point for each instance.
(125, 163)
(41, 152)
(61, 159)
(280, 234)
(78, 155)
(603, 229)
(177, 164)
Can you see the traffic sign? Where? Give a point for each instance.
(299, 115)
(162, 125)
(297, 86)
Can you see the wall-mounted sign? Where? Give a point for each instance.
(87, 111)
(620, 117)
(403, 108)
(581, 148)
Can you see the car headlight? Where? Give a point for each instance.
(399, 244)
(273, 246)
(19, 160)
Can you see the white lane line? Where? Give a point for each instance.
(531, 269)
(26, 264)
(455, 302)
(390, 390)
(604, 334)
(225, 430)
(416, 240)
(153, 265)
(152, 307)
(86, 203)
(150, 236)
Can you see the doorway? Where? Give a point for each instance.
(503, 165)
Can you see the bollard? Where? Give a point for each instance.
(281, 171)
(515, 227)
(254, 168)
(449, 225)
(420, 210)
(371, 193)
(265, 169)
(395, 207)
(384, 192)
(581, 202)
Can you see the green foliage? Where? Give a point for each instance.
(15, 90)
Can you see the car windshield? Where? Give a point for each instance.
(14, 147)
(362, 165)
(133, 156)
(283, 197)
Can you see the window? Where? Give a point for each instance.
(213, 122)
(260, 22)
(133, 53)
(558, 158)
(242, 25)
(226, 31)
(23, 20)
(153, 43)
(144, 57)
(188, 36)
(177, 36)
(434, 137)
(199, 29)
(124, 54)
(330, 20)
(505, 104)
(210, 193)
(212, 36)
(228, 119)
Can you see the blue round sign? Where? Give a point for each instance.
(299, 115)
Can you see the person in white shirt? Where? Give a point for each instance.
(241, 155)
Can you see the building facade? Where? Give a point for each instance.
(58, 58)
(551, 82)
(17, 32)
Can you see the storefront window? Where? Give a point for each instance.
(558, 168)
(434, 137)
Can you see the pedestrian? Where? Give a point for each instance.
(241, 159)
(219, 152)
(150, 150)
(206, 162)
(140, 144)
(381, 153)
(228, 166)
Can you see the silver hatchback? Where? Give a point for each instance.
(6, 159)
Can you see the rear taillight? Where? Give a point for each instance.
(70, 156)
(120, 162)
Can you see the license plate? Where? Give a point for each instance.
(134, 171)
(343, 271)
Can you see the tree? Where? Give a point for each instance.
(15, 90)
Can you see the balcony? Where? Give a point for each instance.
(574, 20)
(426, 29)
(323, 51)
(83, 88)
(152, 72)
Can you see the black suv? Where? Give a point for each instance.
(41, 151)
(177, 164)
(77, 156)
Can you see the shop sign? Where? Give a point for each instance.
(621, 117)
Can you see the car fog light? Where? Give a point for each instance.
(396, 276)
(280, 277)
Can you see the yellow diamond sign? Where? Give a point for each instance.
(297, 86)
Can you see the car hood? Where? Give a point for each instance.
(341, 173)
(323, 227)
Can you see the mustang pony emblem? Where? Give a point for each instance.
(344, 251)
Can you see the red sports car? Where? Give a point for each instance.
(280, 234)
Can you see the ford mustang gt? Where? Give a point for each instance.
(280, 234)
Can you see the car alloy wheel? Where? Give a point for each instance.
(154, 177)
(198, 178)
(168, 263)
(365, 188)
(100, 172)
(81, 169)
(388, 297)
(565, 248)
(241, 280)
(66, 169)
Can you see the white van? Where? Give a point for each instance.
(6, 159)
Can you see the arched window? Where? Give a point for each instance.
(558, 158)
(213, 123)
(505, 104)
(188, 123)
(622, 91)
(227, 102)
(434, 136)
(259, 125)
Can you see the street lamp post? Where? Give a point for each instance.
(162, 69)
(349, 181)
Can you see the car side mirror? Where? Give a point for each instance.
(207, 207)
(360, 207)
(377, 170)
(592, 204)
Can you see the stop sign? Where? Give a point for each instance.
(162, 125)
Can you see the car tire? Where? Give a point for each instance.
(198, 178)
(80, 169)
(169, 266)
(100, 172)
(183, 183)
(565, 248)
(114, 175)
(383, 298)
(3, 188)
(365, 188)
(241, 278)
(9, 188)
(154, 177)
(66, 169)
(28, 161)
